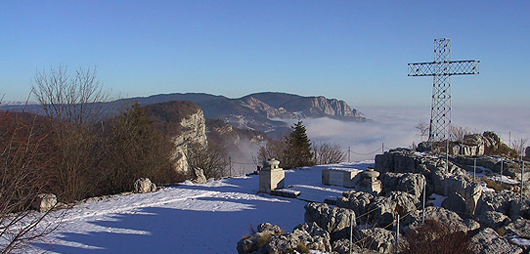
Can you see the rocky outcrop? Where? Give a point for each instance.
(520, 227)
(271, 239)
(193, 131)
(493, 219)
(504, 202)
(442, 178)
(336, 221)
(488, 241)
(342, 246)
(467, 211)
(406, 182)
(304, 237)
(378, 210)
(471, 145)
(144, 185)
(442, 215)
(256, 241)
(397, 161)
(377, 239)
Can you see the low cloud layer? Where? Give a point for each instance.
(395, 127)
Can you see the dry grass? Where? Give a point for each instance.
(436, 237)
(493, 184)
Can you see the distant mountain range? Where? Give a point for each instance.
(260, 111)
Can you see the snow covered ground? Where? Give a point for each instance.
(188, 218)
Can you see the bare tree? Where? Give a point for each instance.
(212, 159)
(272, 149)
(458, 133)
(519, 145)
(325, 153)
(71, 100)
(423, 130)
(23, 143)
(70, 97)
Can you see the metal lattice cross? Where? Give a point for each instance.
(442, 68)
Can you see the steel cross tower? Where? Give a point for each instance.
(442, 69)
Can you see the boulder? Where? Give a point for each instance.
(407, 182)
(144, 185)
(488, 241)
(520, 227)
(493, 219)
(267, 227)
(383, 210)
(442, 215)
(492, 140)
(399, 160)
(198, 176)
(377, 210)
(424, 147)
(336, 221)
(377, 239)
(44, 202)
(255, 242)
(456, 203)
(358, 201)
(342, 246)
(304, 236)
(270, 239)
(504, 202)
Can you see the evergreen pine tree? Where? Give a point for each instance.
(298, 151)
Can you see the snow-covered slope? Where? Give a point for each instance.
(188, 218)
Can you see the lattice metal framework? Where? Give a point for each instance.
(442, 68)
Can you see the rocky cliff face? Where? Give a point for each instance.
(185, 122)
(289, 106)
(193, 131)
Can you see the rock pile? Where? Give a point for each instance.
(492, 222)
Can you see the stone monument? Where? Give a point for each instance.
(341, 177)
(271, 176)
(369, 182)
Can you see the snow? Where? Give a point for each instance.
(188, 218)
(485, 187)
(436, 199)
(489, 174)
(503, 179)
(519, 240)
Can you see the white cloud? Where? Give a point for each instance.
(395, 127)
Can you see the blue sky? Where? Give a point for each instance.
(356, 51)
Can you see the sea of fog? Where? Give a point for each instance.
(393, 127)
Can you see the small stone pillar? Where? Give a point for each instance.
(369, 182)
(271, 176)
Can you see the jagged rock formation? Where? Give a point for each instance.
(487, 222)
(336, 221)
(488, 142)
(185, 122)
(271, 239)
(193, 131)
(488, 241)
